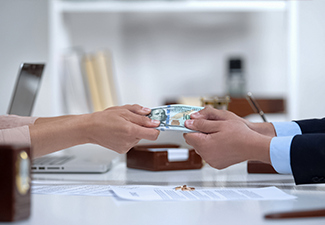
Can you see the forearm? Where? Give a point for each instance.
(52, 134)
(41, 120)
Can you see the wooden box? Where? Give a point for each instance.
(142, 157)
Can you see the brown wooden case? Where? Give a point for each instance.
(15, 200)
(259, 167)
(140, 158)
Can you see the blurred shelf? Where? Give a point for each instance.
(59, 29)
(169, 6)
(241, 107)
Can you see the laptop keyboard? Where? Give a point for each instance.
(52, 160)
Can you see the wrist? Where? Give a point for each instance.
(82, 125)
(263, 128)
(259, 148)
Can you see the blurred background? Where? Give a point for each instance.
(165, 51)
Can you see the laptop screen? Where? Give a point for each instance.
(26, 89)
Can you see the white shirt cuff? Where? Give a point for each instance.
(286, 128)
(280, 154)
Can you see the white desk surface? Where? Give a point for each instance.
(62, 209)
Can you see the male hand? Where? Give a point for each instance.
(210, 113)
(226, 142)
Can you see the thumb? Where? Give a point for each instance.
(209, 113)
(204, 126)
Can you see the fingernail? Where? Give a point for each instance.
(156, 122)
(196, 114)
(189, 122)
(146, 109)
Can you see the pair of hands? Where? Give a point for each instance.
(224, 139)
(227, 139)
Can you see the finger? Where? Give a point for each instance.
(143, 121)
(211, 113)
(146, 133)
(195, 139)
(207, 113)
(205, 126)
(138, 109)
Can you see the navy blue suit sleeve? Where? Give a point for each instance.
(312, 125)
(307, 155)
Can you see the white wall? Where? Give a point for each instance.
(23, 38)
(161, 56)
(312, 59)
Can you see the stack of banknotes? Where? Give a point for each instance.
(173, 117)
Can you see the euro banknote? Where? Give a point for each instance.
(173, 117)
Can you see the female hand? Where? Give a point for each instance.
(120, 128)
(117, 128)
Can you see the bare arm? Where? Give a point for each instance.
(116, 128)
(41, 120)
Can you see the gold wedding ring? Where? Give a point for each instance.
(184, 188)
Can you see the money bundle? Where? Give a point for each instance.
(173, 117)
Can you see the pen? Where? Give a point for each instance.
(296, 214)
(255, 106)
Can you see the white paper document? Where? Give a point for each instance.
(155, 193)
(89, 190)
(163, 193)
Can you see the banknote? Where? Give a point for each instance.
(173, 117)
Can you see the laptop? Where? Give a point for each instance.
(71, 160)
(25, 91)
